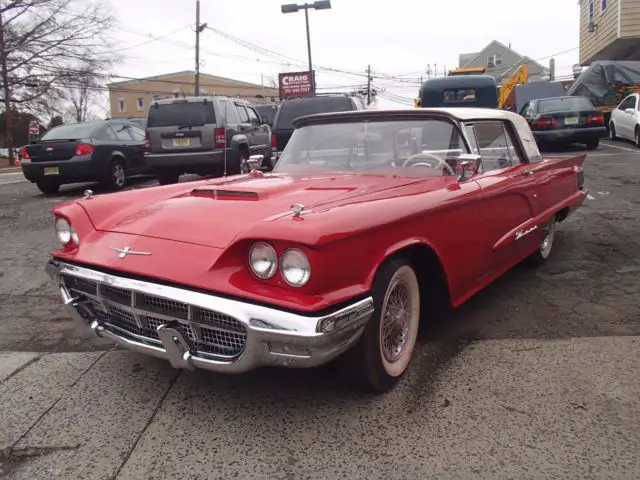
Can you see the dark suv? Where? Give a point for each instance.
(294, 107)
(206, 135)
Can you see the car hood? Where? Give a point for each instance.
(214, 213)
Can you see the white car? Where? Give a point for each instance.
(625, 119)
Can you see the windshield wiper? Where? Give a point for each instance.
(189, 126)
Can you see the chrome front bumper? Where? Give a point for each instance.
(193, 329)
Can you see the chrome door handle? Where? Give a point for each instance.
(527, 172)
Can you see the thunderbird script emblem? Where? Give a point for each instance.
(123, 252)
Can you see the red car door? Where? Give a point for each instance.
(509, 196)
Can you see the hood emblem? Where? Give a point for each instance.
(297, 209)
(123, 252)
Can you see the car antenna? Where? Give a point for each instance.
(224, 128)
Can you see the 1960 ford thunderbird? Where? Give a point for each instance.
(369, 221)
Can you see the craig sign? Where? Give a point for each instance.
(295, 83)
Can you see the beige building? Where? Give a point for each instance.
(609, 30)
(132, 98)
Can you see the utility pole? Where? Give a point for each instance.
(313, 77)
(8, 123)
(199, 29)
(368, 84)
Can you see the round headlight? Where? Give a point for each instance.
(63, 230)
(263, 260)
(74, 236)
(295, 267)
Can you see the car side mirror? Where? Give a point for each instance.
(630, 111)
(468, 166)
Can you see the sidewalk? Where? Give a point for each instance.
(499, 409)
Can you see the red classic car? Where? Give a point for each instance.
(370, 220)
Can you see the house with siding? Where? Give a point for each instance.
(609, 30)
(501, 62)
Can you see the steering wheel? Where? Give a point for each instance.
(411, 162)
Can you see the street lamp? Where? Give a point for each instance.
(317, 5)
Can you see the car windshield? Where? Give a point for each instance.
(181, 113)
(74, 131)
(426, 147)
(299, 107)
(564, 104)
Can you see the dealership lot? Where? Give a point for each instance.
(537, 374)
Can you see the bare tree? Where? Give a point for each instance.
(81, 96)
(47, 45)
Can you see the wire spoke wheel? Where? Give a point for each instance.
(399, 319)
(548, 234)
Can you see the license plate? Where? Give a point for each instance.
(51, 171)
(180, 142)
(571, 121)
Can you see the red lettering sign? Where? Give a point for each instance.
(295, 84)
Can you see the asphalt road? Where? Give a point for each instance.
(538, 375)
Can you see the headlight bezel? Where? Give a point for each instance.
(273, 269)
(305, 259)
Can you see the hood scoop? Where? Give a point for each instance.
(224, 194)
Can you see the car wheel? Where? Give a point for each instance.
(168, 178)
(612, 131)
(593, 144)
(386, 347)
(546, 244)
(638, 137)
(48, 187)
(117, 175)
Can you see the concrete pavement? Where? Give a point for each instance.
(499, 409)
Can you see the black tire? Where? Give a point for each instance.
(612, 131)
(368, 363)
(593, 144)
(637, 142)
(117, 176)
(48, 187)
(547, 236)
(167, 178)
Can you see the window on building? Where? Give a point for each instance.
(603, 5)
(495, 59)
(140, 104)
(176, 93)
(591, 11)
(122, 106)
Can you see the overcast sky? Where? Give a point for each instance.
(399, 39)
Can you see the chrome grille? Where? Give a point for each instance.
(138, 315)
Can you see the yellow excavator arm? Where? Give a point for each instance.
(520, 76)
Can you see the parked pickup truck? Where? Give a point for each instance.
(370, 222)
